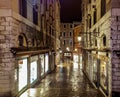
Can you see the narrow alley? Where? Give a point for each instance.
(67, 81)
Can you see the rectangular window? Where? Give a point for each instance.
(40, 1)
(70, 34)
(103, 7)
(70, 42)
(71, 26)
(64, 26)
(64, 42)
(64, 34)
(89, 1)
(23, 8)
(35, 15)
(90, 22)
(117, 18)
(95, 16)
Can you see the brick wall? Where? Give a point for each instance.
(10, 29)
(115, 37)
(6, 58)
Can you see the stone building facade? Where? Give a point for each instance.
(67, 39)
(101, 44)
(77, 40)
(78, 37)
(24, 48)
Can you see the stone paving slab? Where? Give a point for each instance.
(65, 82)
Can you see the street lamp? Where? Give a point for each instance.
(68, 49)
(79, 38)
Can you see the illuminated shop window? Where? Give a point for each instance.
(46, 63)
(103, 75)
(33, 71)
(22, 78)
(42, 64)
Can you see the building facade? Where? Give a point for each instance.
(77, 46)
(67, 39)
(26, 56)
(101, 44)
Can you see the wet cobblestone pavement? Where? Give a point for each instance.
(67, 81)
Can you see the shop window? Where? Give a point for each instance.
(46, 63)
(42, 60)
(103, 75)
(22, 72)
(33, 71)
(23, 8)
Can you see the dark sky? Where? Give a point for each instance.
(70, 10)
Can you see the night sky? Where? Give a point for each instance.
(70, 10)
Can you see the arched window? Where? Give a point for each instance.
(20, 39)
(104, 40)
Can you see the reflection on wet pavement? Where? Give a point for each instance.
(67, 81)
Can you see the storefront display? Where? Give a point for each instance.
(103, 74)
(75, 65)
(33, 73)
(46, 63)
(22, 74)
(95, 71)
(42, 60)
(75, 58)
